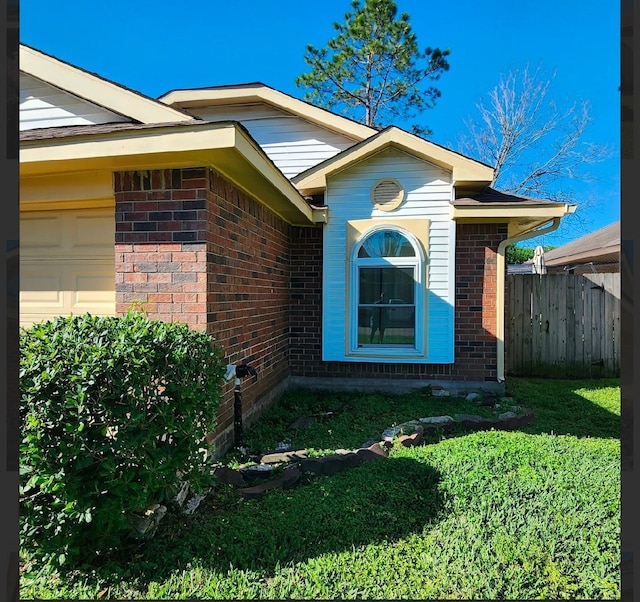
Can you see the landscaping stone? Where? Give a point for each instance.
(256, 472)
(228, 476)
(472, 421)
(303, 423)
(289, 477)
(145, 527)
(192, 505)
(284, 457)
(330, 465)
(411, 440)
(181, 496)
(373, 452)
(391, 433)
(311, 465)
(351, 460)
(440, 393)
(472, 397)
(436, 420)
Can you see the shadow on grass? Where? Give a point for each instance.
(561, 410)
(382, 500)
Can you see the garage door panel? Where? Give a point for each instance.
(94, 291)
(92, 232)
(41, 233)
(67, 264)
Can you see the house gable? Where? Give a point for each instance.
(424, 214)
(43, 105)
(294, 134)
(94, 90)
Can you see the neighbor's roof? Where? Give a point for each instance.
(602, 245)
(490, 196)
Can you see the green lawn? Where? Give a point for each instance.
(490, 515)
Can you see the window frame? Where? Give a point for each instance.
(418, 264)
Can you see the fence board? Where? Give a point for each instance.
(563, 325)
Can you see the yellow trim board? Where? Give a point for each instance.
(96, 89)
(463, 169)
(224, 146)
(259, 93)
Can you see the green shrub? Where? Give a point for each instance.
(114, 413)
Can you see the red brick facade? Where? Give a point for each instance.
(191, 247)
(475, 313)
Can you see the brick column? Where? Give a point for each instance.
(476, 281)
(160, 248)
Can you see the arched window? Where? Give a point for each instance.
(387, 300)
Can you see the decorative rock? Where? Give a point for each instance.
(331, 465)
(471, 421)
(283, 446)
(369, 442)
(436, 420)
(303, 423)
(181, 496)
(145, 527)
(311, 465)
(373, 452)
(472, 397)
(351, 460)
(440, 393)
(228, 476)
(256, 471)
(411, 440)
(192, 505)
(507, 415)
(284, 457)
(391, 433)
(289, 477)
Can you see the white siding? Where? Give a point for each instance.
(292, 143)
(427, 195)
(44, 106)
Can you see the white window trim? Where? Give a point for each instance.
(418, 263)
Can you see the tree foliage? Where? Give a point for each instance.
(515, 254)
(373, 70)
(534, 145)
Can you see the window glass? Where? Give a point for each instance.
(386, 243)
(386, 292)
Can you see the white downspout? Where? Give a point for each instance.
(500, 276)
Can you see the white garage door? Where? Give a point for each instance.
(67, 263)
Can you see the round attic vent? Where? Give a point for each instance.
(387, 194)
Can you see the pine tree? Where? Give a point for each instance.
(373, 71)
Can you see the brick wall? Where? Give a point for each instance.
(193, 248)
(475, 317)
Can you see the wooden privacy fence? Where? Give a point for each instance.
(562, 325)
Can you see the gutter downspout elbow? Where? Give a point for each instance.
(500, 285)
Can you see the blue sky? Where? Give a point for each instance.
(154, 46)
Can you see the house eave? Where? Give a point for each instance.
(95, 89)
(224, 147)
(258, 93)
(464, 171)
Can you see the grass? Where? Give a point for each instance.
(490, 515)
